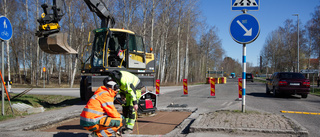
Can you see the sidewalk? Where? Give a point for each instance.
(252, 121)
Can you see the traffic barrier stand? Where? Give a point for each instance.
(185, 88)
(224, 80)
(240, 89)
(212, 88)
(157, 86)
(217, 80)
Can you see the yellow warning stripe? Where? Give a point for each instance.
(185, 84)
(298, 112)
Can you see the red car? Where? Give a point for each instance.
(288, 83)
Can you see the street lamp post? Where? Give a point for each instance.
(298, 36)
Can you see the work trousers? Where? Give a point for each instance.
(128, 110)
(102, 131)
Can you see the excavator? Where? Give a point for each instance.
(111, 49)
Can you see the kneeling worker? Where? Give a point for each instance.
(100, 115)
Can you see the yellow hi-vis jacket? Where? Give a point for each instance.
(100, 110)
(128, 84)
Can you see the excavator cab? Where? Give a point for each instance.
(117, 48)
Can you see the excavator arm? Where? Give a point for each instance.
(51, 40)
(98, 7)
(49, 21)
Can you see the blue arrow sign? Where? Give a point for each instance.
(244, 28)
(5, 28)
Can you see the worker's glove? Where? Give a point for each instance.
(122, 117)
(124, 123)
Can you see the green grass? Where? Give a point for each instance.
(51, 85)
(316, 91)
(49, 102)
(259, 80)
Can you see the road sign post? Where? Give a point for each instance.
(5, 34)
(244, 61)
(2, 87)
(244, 29)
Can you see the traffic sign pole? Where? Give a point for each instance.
(244, 61)
(244, 29)
(2, 92)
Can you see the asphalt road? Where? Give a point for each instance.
(226, 95)
(257, 98)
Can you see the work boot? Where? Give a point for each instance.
(118, 134)
(93, 134)
(127, 131)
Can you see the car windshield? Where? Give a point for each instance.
(291, 76)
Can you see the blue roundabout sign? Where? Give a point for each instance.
(244, 28)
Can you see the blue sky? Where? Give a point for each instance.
(271, 15)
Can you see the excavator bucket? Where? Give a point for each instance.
(56, 44)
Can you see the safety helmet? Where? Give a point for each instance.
(109, 83)
(116, 75)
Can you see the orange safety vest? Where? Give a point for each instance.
(99, 108)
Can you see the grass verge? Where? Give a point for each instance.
(316, 91)
(49, 102)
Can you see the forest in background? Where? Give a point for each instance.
(184, 46)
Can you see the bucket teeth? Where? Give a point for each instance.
(56, 44)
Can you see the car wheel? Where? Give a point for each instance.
(304, 95)
(275, 94)
(267, 89)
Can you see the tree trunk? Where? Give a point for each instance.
(24, 45)
(178, 44)
(186, 71)
(74, 70)
(59, 77)
(70, 42)
(152, 21)
(145, 19)
(178, 51)
(38, 50)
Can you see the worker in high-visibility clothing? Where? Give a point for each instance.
(100, 115)
(131, 87)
